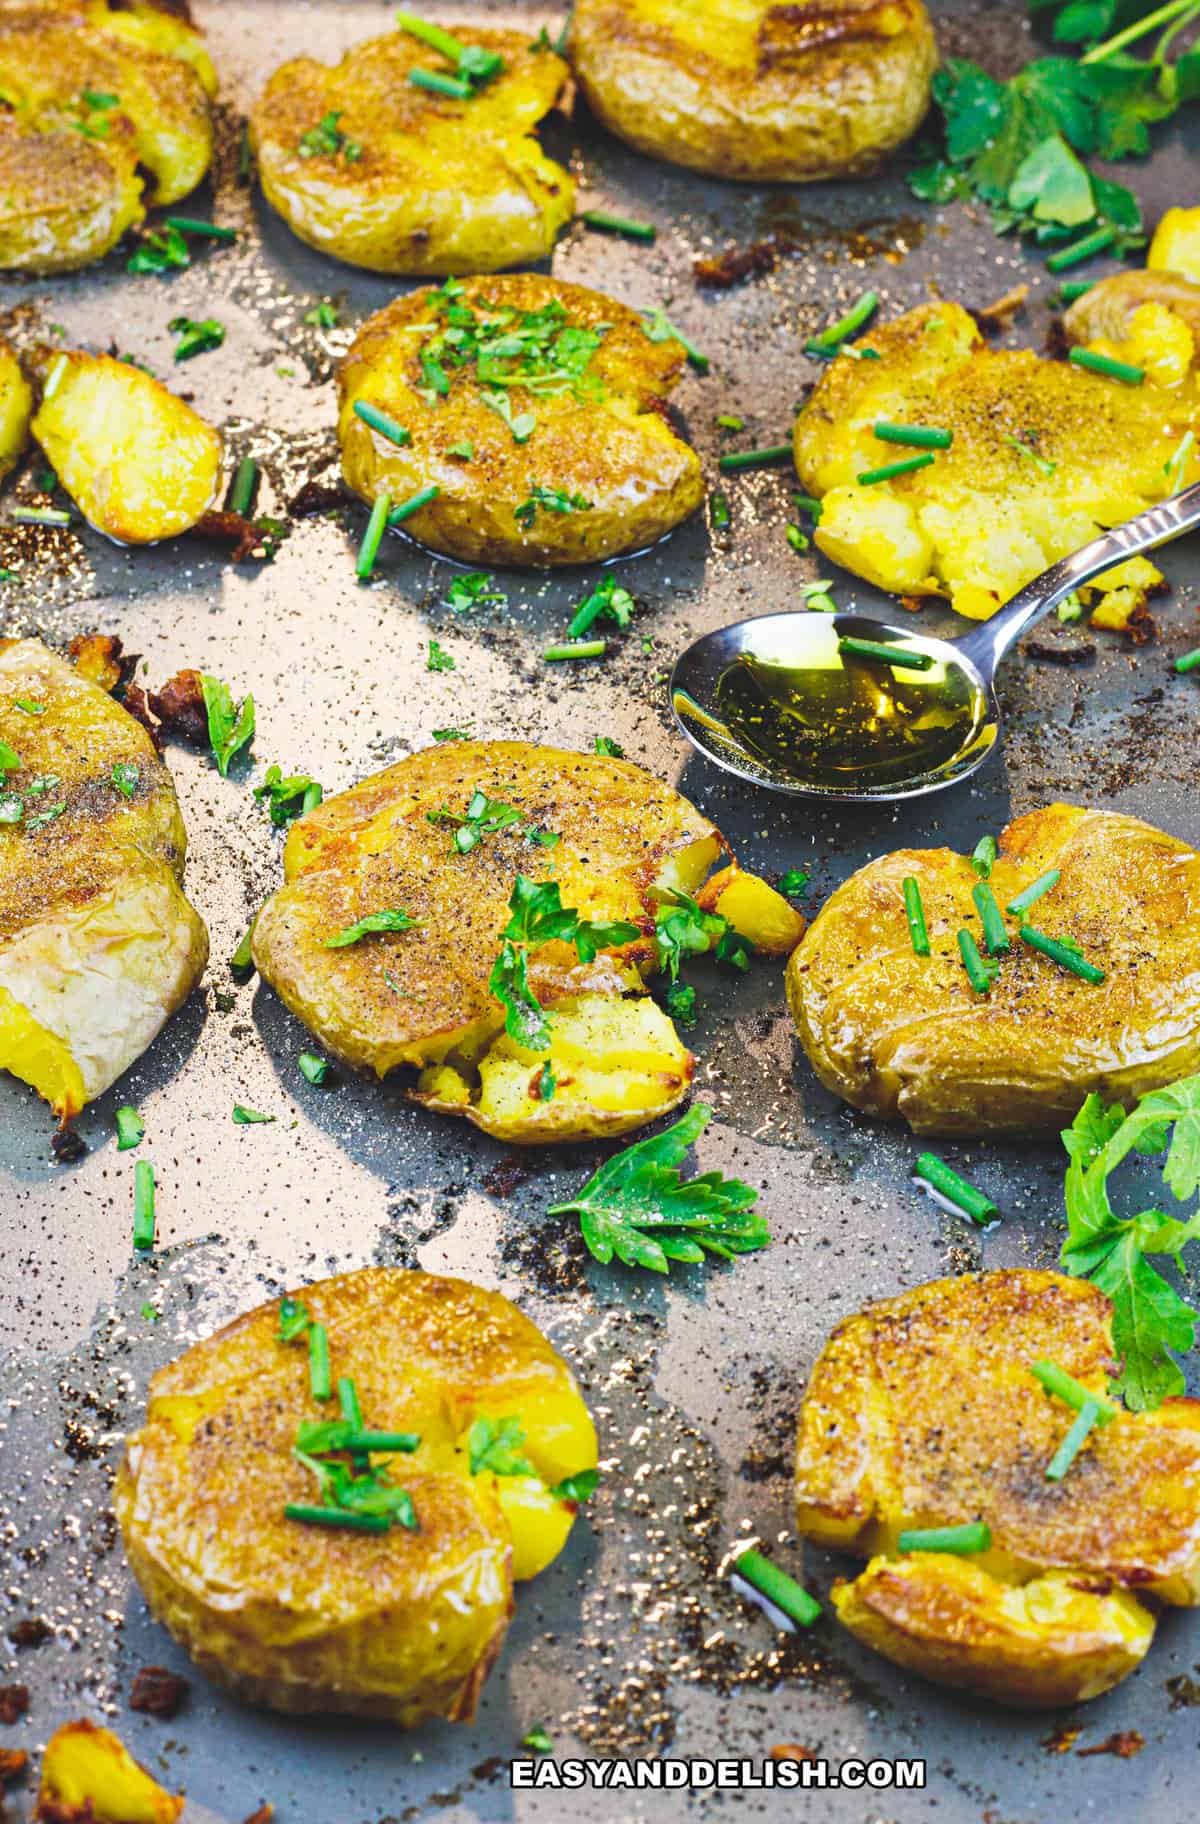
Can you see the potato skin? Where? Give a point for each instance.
(616, 450)
(898, 1035)
(441, 186)
(756, 90)
(401, 1625)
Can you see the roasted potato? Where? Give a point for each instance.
(897, 1034)
(1176, 244)
(578, 464)
(93, 94)
(1044, 456)
(754, 909)
(88, 1774)
(401, 1624)
(137, 461)
(16, 409)
(421, 997)
(98, 945)
(1131, 307)
(922, 1412)
(411, 182)
(756, 90)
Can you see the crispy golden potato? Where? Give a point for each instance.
(753, 89)
(137, 461)
(89, 1774)
(1176, 244)
(398, 1624)
(16, 409)
(1044, 456)
(420, 997)
(754, 909)
(413, 182)
(901, 1035)
(98, 945)
(93, 94)
(589, 467)
(922, 1412)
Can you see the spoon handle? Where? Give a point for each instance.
(987, 644)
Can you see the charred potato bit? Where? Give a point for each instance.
(16, 409)
(901, 1035)
(98, 945)
(88, 1774)
(364, 165)
(1044, 456)
(756, 90)
(137, 461)
(403, 1624)
(570, 458)
(922, 1412)
(420, 997)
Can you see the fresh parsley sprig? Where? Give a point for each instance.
(682, 929)
(230, 724)
(538, 916)
(288, 796)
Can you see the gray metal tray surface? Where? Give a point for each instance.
(633, 1644)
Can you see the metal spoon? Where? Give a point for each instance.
(779, 701)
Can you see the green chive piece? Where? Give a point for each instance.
(913, 906)
(755, 459)
(313, 1067)
(360, 1439)
(348, 1400)
(343, 1518)
(790, 1597)
(435, 83)
(576, 649)
(40, 516)
(720, 516)
(1104, 364)
(318, 1362)
(908, 466)
(413, 504)
(995, 931)
(1043, 884)
(979, 974)
(963, 1195)
(976, 1536)
(368, 551)
(1078, 251)
(806, 504)
(1189, 662)
(143, 1204)
(841, 331)
(619, 224)
(242, 961)
(983, 856)
(899, 657)
(1071, 1392)
(920, 436)
(241, 492)
(131, 1129)
(659, 327)
(192, 224)
(379, 421)
(1074, 1441)
(1062, 954)
(29, 706)
(1075, 289)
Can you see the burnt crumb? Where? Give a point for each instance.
(763, 1466)
(13, 1763)
(67, 1146)
(137, 704)
(158, 1691)
(179, 705)
(1058, 343)
(1184, 1692)
(489, 1770)
(1079, 652)
(248, 537)
(1061, 1741)
(738, 263)
(791, 1751)
(995, 318)
(555, 1261)
(53, 1811)
(504, 1177)
(102, 659)
(912, 604)
(1125, 1743)
(32, 1632)
(317, 497)
(263, 1815)
(14, 1702)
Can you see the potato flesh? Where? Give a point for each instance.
(755, 910)
(1176, 244)
(91, 1769)
(16, 409)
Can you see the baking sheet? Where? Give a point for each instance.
(631, 1644)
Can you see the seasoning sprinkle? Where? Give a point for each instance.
(980, 973)
(899, 657)
(1104, 364)
(1042, 885)
(1078, 251)
(920, 436)
(1071, 1392)
(619, 224)
(975, 1536)
(368, 551)
(413, 504)
(908, 466)
(1063, 954)
(788, 1596)
(995, 931)
(380, 421)
(754, 459)
(915, 911)
(143, 1204)
(1072, 1444)
(956, 1190)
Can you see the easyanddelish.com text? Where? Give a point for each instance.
(790, 1775)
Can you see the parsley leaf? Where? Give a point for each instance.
(550, 500)
(366, 927)
(484, 816)
(521, 424)
(466, 592)
(606, 746)
(495, 1445)
(326, 140)
(794, 884)
(682, 929)
(640, 1209)
(124, 777)
(438, 659)
(248, 1117)
(579, 1487)
(452, 734)
(323, 315)
(195, 338)
(159, 251)
(289, 797)
(230, 725)
(680, 1003)
(538, 916)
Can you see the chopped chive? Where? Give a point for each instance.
(368, 551)
(381, 1440)
(790, 1597)
(729, 421)
(192, 224)
(798, 540)
(318, 1362)
(921, 436)
(1189, 662)
(242, 960)
(1074, 1441)
(131, 1129)
(858, 314)
(348, 1400)
(980, 974)
(913, 906)
(1091, 244)
(995, 931)
(40, 516)
(660, 328)
(379, 421)
(344, 1518)
(1071, 1392)
(963, 1195)
(897, 656)
(1043, 884)
(143, 1204)
(313, 1067)
(1065, 955)
(907, 466)
(576, 649)
(805, 503)
(1103, 364)
(983, 856)
(1042, 463)
(1074, 289)
(619, 224)
(976, 1536)
(241, 492)
(755, 459)
(720, 516)
(413, 504)
(436, 83)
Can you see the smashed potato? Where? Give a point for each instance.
(1045, 455)
(755, 90)
(94, 93)
(420, 997)
(401, 1623)
(89, 1774)
(407, 181)
(98, 945)
(533, 407)
(137, 461)
(922, 1411)
(901, 1035)
(16, 409)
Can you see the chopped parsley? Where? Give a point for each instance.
(577, 1488)
(131, 1129)
(124, 777)
(474, 67)
(794, 884)
(248, 1117)
(288, 797)
(680, 1003)
(368, 926)
(494, 1445)
(484, 817)
(538, 916)
(550, 500)
(323, 315)
(682, 929)
(438, 659)
(159, 250)
(606, 746)
(469, 591)
(659, 328)
(195, 338)
(543, 351)
(313, 1067)
(230, 724)
(547, 1083)
(608, 600)
(326, 140)
(453, 734)
(521, 424)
